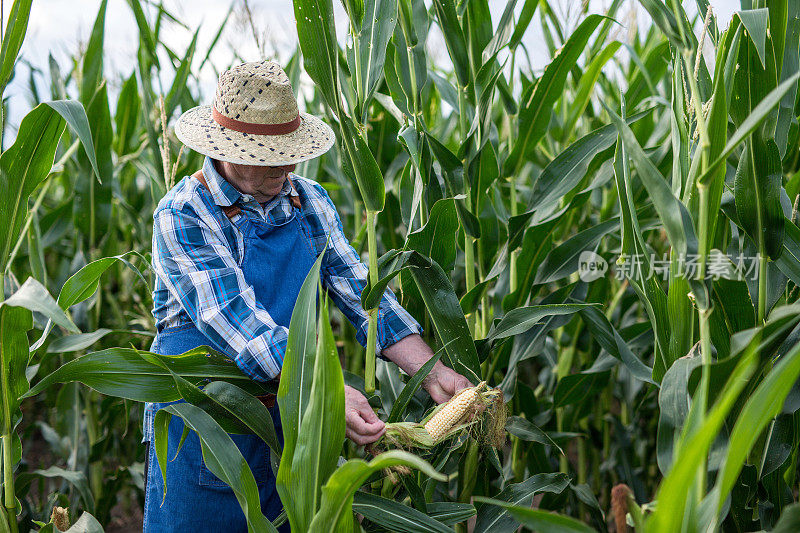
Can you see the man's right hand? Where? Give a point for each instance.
(362, 424)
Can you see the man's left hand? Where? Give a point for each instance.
(411, 352)
(442, 383)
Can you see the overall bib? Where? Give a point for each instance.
(276, 260)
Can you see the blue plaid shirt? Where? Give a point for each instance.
(197, 253)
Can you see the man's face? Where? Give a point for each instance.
(262, 183)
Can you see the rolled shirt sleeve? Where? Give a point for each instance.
(200, 271)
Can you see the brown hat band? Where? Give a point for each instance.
(255, 128)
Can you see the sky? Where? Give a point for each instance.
(59, 27)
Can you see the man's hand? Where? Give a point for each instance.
(362, 424)
(411, 352)
(443, 382)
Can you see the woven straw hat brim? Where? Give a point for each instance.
(197, 129)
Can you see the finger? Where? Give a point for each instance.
(368, 414)
(438, 393)
(361, 439)
(449, 385)
(362, 427)
(355, 437)
(373, 427)
(463, 383)
(370, 420)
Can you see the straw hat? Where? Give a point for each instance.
(254, 120)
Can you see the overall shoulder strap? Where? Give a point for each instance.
(229, 210)
(294, 199)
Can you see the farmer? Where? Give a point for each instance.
(232, 244)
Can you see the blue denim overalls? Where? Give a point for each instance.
(276, 260)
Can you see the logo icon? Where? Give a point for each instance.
(591, 266)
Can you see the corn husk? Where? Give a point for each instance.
(476, 411)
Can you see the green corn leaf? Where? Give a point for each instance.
(437, 239)
(395, 516)
(647, 289)
(496, 518)
(576, 388)
(337, 494)
(409, 55)
(33, 296)
(84, 283)
(299, 359)
(761, 407)
(454, 39)
(377, 26)
(563, 174)
(673, 403)
(528, 431)
(247, 408)
(317, 37)
(79, 341)
(538, 520)
(441, 302)
(755, 22)
(679, 32)
(75, 115)
(213, 44)
(23, 167)
(16, 27)
(122, 372)
(92, 206)
(146, 37)
(505, 30)
(86, 524)
(534, 114)
(564, 260)
(789, 67)
(75, 478)
(524, 20)
(223, 459)
(756, 117)
(608, 337)
(531, 341)
(322, 431)
(179, 87)
(446, 314)
(92, 72)
(588, 82)
(231, 407)
(672, 496)
(14, 325)
(295, 388)
(450, 513)
(757, 189)
(366, 172)
(718, 136)
(522, 319)
(789, 520)
(673, 214)
(789, 260)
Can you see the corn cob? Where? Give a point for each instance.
(449, 415)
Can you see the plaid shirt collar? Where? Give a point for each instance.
(225, 194)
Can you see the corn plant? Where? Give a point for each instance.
(667, 150)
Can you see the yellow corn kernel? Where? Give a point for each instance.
(450, 414)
